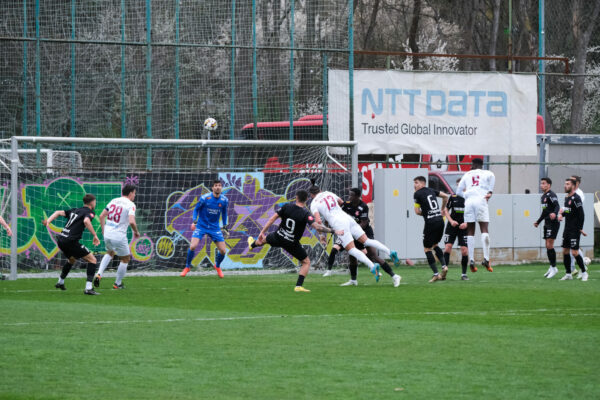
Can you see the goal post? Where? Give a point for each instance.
(53, 173)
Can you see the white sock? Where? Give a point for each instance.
(104, 263)
(471, 247)
(378, 245)
(121, 273)
(361, 257)
(88, 285)
(573, 263)
(61, 281)
(485, 244)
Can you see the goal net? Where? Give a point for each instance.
(257, 176)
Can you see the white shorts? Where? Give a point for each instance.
(119, 246)
(351, 229)
(476, 210)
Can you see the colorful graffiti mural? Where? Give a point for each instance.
(164, 216)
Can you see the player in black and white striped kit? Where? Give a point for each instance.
(68, 240)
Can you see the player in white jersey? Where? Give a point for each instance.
(477, 186)
(327, 206)
(118, 215)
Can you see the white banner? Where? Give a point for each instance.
(399, 112)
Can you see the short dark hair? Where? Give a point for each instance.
(420, 178)
(477, 161)
(216, 181)
(314, 189)
(547, 180)
(128, 189)
(302, 195)
(573, 181)
(577, 178)
(88, 198)
(357, 192)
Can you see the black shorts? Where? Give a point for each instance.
(294, 248)
(432, 233)
(551, 230)
(571, 240)
(72, 248)
(453, 232)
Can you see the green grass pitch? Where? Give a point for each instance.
(510, 334)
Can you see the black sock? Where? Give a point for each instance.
(463, 263)
(331, 259)
(65, 270)
(580, 262)
(353, 271)
(439, 254)
(91, 268)
(300, 280)
(387, 269)
(551, 256)
(254, 245)
(446, 258)
(431, 261)
(567, 261)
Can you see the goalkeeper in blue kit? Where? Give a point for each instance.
(210, 208)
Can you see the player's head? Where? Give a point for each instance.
(314, 189)
(545, 184)
(577, 180)
(354, 195)
(476, 163)
(301, 196)
(570, 184)
(217, 187)
(129, 191)
(89, 200)
(420, 182)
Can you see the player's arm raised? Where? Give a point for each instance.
(55, 214)
(88, 225)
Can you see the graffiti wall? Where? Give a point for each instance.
(165, 203)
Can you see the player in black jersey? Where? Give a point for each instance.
(359, 210)
(550, 210)
(68, 240)
(426, 205)
(456, 228)
(574, 217)
(294, 219)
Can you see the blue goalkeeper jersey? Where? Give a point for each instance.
(209, 210)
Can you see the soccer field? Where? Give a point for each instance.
(506, 334)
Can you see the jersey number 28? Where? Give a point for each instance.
(114, 213)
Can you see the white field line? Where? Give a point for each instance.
(581, 312)
(208, 272)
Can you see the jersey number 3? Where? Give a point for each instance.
(114, 213)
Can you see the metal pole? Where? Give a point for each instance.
(325, 96)
(355, 165)
(123, 108)
(73, 103)
(14, 212)
(254, 74)
(291, 100)
(149, 80)
(176, 116)
(543, 172)
(232, 80)
(38, 122)
(351, 67)
(541, 64)
(24, 127)
(510, 43)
